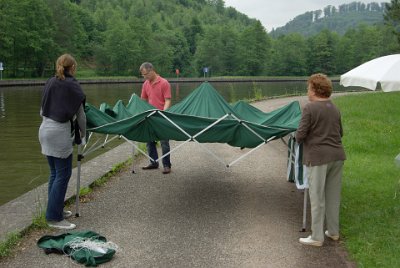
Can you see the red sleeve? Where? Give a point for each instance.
(167, 90)
(144, 95)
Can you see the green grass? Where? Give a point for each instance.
(370, 207)
(83, 73)
(11, 242)
(115, 170)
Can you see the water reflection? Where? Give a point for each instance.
(2, 105)
(177, 95)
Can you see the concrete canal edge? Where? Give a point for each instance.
(17, 215)
(83, 81)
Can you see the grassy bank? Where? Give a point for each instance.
(370, 208)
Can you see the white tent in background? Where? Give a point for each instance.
(384, 70)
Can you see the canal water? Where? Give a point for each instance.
(23, 167)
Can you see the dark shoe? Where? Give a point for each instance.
(150, 166)
(166, 170)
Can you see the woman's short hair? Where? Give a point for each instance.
(321, 85)
(65, 64)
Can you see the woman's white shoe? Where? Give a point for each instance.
(310, 242)
(65, 225)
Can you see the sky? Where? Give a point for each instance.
(276, 13)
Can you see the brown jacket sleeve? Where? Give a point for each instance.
(304, 126)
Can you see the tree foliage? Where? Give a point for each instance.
(341, 19)
(116, 36)
(392, 17)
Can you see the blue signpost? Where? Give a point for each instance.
(1, 70)
(205, 70)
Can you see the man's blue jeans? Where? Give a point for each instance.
(152, 151)
(60, 173)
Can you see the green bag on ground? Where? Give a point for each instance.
(75, 245)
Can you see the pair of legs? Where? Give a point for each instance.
(60, 173)
(152, 151)
(325, 183)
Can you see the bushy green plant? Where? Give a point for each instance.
(258, 95)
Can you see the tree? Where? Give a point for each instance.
(289, 56)
(328, 11)
(363, 44)
(219, 5)
(368, 41)
(392, 17)
(181, 55)
(345, 52)
(26, 37)
(118, 53)
(254, 50)
(40, 49)
(208, 52)
(71, 36)
(317, 14)
(321, 56)
(191, 32)
(229, 52)
(162, 53)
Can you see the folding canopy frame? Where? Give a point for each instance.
(125, 122)
(82, 152)
(296, 173)
(193, 138)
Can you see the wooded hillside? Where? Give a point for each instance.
(336, 19)
(113, 37)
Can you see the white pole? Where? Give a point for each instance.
(78, 180)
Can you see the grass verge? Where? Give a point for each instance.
(11, 242)
(370, 207)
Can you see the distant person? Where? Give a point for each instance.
(320, 131)
(62, 103)
(156, 91)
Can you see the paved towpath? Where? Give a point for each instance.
(201, 215)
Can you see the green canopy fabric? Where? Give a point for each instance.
(204, 101)
(63, 244)
(239, 125)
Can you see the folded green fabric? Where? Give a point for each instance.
(86, 247)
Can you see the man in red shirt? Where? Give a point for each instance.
(156, 91)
